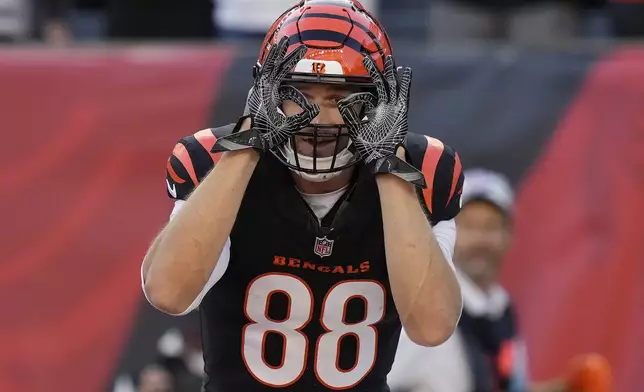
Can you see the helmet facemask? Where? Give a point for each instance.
(319, 152)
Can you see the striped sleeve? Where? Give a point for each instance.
(189, 163)
(443, 173)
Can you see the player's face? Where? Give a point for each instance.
(326, 96)
(482, 239)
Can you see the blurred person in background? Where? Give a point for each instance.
(156, 378)
(519, 21)
(28, 20)
(16, 20)
(486, 354)
(178, 358)
(180, 353)
(249, 19)
(246, 19)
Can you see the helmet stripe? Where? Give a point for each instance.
(329, 36)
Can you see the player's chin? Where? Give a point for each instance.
(323, 148)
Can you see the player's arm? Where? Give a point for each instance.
(423, 283)
(183, 256)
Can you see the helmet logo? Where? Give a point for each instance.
(318, 68)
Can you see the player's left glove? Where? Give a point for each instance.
(377, 139)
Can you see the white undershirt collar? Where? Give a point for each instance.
(322, 203)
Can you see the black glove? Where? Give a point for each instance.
(270, 127)
(377, 139)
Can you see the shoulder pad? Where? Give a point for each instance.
(191, 160)
(442, 168)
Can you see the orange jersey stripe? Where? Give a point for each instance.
(175, 177)
(458, 168)
(207, 141)
(182, 155)
(433, 154)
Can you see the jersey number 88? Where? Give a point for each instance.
(300, 312)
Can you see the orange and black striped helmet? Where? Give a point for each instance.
(337, 33)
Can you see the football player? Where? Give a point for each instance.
(308, 232)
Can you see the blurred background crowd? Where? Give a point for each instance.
(64, 21)
(173, 362)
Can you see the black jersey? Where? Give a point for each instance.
(306, 305)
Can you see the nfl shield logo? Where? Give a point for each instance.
(323, 246)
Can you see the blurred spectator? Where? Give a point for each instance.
(468, 361)
(15, 20)
(26, 20)
(183, 357)
(63, 21)
(155, 378)
(520, 21)
(178, 354)
(239, 19)
(627, 18)
(486, 353)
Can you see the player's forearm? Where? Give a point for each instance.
(423, 284)
(185, 253)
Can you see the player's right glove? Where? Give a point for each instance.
(270, 127)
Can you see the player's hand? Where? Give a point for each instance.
(270, 126)
(268, 94)
(378, 138)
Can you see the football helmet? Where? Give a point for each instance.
(337, 35)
